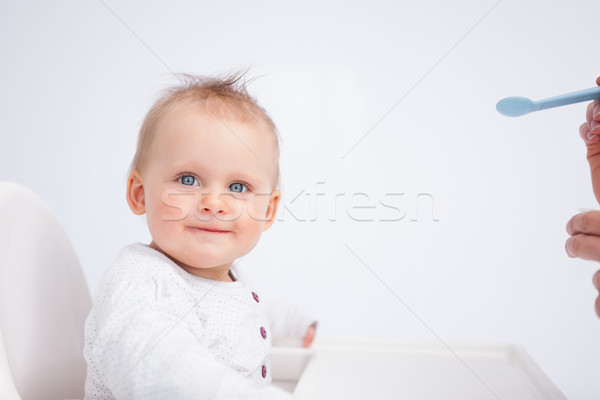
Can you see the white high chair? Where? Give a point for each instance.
(44, 301)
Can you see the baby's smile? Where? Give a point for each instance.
(209, 230)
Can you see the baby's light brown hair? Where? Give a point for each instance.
(225, 98)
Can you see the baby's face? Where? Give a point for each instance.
(208, 189)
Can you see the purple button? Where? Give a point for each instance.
(263, 332)
(255, 297)
(264, 371)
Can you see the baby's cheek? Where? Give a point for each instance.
(235, 209)
(250, 228)
(174, 206)
(256, 209)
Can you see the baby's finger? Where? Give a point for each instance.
(587, 223)
(310, 336)
(598, 306)
(583, 246)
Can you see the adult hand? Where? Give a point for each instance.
(584, 228)
(590, 133)
(584, 242)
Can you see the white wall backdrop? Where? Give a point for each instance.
(388, 99)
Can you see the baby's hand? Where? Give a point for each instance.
(310, 335)
(590, 133)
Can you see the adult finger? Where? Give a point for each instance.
(590, 136)
(596, 280)
(592, 112)
(596, 112)
(595, 124)
(593, 157)
(583, 246)
(585, 134)
(587, 223)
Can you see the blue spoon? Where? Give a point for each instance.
(517, 106)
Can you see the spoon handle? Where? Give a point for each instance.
(568, 98)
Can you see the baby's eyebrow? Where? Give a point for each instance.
(244, 177)
(231, 176)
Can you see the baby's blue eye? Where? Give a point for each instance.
(187, 180)
(238, 187)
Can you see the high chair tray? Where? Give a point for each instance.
(360, 369)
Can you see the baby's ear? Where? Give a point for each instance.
(272, 209)
(135, 193)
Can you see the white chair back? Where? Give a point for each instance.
(44, 301)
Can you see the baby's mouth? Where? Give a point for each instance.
(208, 229)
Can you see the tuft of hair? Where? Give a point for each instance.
(226, 98)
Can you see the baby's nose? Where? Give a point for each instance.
(213, 202)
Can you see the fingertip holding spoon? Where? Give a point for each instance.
(517, 106)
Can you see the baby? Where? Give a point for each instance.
(175, 319)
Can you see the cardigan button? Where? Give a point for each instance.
(264, 371)
(255, 297)
(263, 332)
